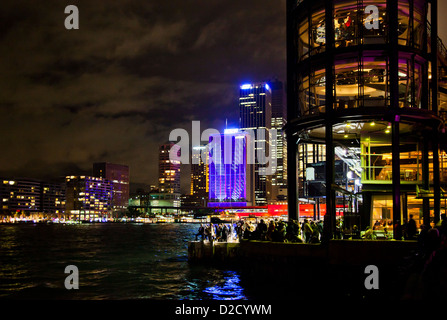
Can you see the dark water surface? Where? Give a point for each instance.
(115, 261)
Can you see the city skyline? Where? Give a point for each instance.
(108, 91)
(113, 90)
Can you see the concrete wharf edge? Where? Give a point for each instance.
(335, 252)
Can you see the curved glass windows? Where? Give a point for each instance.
(303, 39)
(311, 34)
(345, 24)
(419, 13)
(361, 81)
(411, 23)
(410, 81)
(347, 89)
(351, 23)
(318, 36)
(404, 27)
(312, 92)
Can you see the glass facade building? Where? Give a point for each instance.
(366, 111)
(231, 179)
(255, 106)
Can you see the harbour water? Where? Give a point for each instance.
(115, 261)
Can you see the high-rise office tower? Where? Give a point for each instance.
(200, 173)
(168, 170)
(231, 178)
(255, 107)
(118, 175)
(279, 178)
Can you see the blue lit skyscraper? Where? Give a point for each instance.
(231, 180)
(255, 107)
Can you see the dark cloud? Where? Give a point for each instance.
(135, 70)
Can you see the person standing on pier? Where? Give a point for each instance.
(207, 232)
(307, 230)
(225, 233)
(411, 228)
(201, 232)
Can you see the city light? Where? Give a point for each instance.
(231, 131)
(246, 86)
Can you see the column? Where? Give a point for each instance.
(426, 181)
(394, 99)
(292, 185)
(292, 112)
(434, 83)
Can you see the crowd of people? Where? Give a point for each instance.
(307, 231)
(276, 230)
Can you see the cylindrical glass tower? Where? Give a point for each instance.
(364, 114)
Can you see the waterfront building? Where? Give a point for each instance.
(231, 178)
(155, 203)
(118, 175)
(88, 198)
(369, 97)
(52, 198)
(168, 170)
(20, 195)
(255, 114)
(25, 196)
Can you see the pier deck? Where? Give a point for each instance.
(336, 252)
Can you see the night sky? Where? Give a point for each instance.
(135, 70)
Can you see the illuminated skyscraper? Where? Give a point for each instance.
(255, 106)
(168, 170)
(200, 173)
(231, 178)
(279, 178)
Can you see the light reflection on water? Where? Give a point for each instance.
(115, 261)
(229, 290)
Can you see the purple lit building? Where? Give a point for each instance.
(118, 175)
(231, 178)
(88, 198)
(255, 113)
